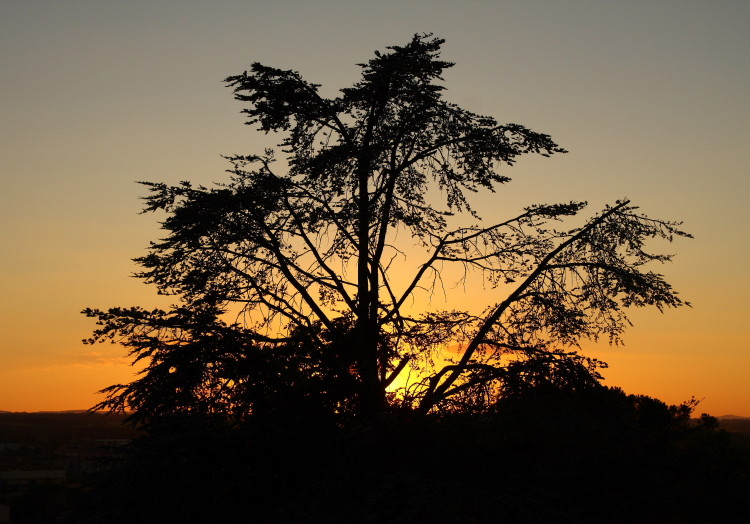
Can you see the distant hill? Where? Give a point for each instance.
(66, 411)
(61, 427)
(739, 427)
(48, 411)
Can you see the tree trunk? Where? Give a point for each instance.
(372, 396)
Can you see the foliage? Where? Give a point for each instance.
(288, 301)
(544, 456)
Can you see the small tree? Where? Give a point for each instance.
(286, 297)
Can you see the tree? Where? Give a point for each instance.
(286, 298)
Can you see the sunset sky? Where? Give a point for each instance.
(651, 98)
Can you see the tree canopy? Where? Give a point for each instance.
(286, 299)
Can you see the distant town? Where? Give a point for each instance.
(46, 457)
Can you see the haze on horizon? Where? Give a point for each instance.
(651, 100)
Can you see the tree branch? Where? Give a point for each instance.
(436, 392)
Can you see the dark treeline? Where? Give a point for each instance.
(590, 456)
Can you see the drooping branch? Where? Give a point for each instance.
(437, 389)
(299, 286)
(338, 282)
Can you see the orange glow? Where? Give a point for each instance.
(651, 105)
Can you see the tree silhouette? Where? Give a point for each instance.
(288, 302)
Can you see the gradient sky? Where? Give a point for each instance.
(652, 98)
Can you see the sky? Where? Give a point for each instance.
(651, 98)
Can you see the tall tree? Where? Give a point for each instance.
(286, 298)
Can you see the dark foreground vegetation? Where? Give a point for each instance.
(592, 456)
